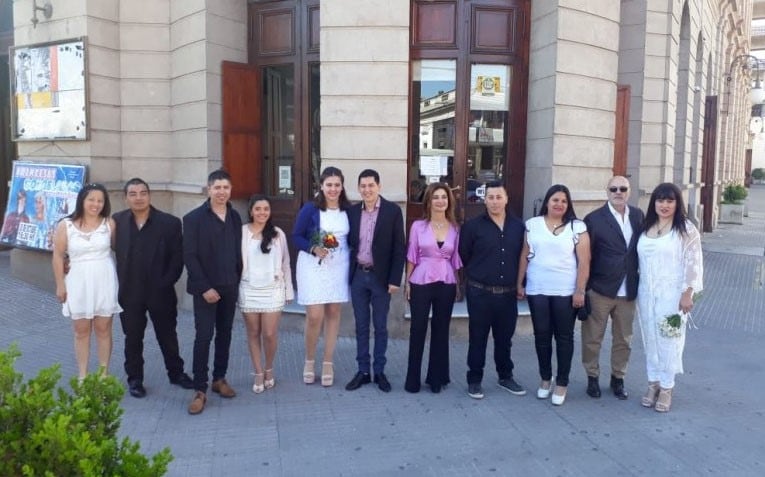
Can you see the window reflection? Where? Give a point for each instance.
(434, 101)
(487, 137)
(279, 130)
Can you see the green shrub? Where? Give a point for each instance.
(46, 431)
(758, 174)
(734, 193)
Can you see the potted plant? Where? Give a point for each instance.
(732, 208)
(758, 175)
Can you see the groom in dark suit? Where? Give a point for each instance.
(149, 250)
(614, 230)
(378, 254)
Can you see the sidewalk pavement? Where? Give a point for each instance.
(716, 426)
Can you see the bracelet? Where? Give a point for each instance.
(579, 292)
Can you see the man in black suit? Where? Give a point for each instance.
(614, 230)
(378, 254)
(149, 250)
(212, 252)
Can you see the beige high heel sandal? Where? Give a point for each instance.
(664, 401)
(257, 386)
(651, 394)
(308, 374)
(269, 381)
(327, 373)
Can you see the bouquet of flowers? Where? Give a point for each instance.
(671, 326)
(325, 239)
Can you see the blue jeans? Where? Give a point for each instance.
(366, 292)
(498, 313)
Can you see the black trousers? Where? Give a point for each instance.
(164, 318)
(213, 319)
(553, 316)
(440, 297)
(497, 313)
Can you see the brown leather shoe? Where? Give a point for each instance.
(198, 403)
(221, 387)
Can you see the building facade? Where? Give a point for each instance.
(531, 92)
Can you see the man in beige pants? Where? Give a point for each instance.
(614, 230)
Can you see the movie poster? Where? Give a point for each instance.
(39, 196)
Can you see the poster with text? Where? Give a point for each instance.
(39, 196)
(49, 94)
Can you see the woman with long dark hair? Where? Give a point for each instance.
(552, 276)
(671, 272)
(320, 234)
(88, 291)
(432, 261)
(265, 288)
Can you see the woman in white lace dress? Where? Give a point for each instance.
(671, 270)
(322, 269)
(88, 291)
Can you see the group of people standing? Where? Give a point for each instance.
(563, 266)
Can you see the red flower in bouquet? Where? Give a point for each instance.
(325, 239)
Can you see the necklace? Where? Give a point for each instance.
(438, 225)
(553, 227)
(660, 230)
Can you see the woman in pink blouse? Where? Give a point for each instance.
(431, 281)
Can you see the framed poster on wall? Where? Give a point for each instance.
(49, 91)
(39, 196)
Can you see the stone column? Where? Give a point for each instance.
(572, 99)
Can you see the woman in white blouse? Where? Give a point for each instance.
(265, 287)
(555, 263)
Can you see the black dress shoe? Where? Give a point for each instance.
(136, 389)
(617, 386)
(593, 387)
(435, 388)
(382, 382)
(359, 380)
(183, 380)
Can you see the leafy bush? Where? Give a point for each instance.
(50, 432)
(758, 174)
(734, 193)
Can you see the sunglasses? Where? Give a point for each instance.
(620, 189)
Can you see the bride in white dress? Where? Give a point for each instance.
(671, 270)
(322, 270)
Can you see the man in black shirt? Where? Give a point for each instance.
(213, 258)
(490, 248)
(149, 251)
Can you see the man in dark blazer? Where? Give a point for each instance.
(377, 258)
(149, 250)
(212, 253)
(614, 230)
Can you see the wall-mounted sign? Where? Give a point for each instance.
(48, 89)
(39, 196)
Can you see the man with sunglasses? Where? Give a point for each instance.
(614, 230)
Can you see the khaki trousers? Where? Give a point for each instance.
(622, 314)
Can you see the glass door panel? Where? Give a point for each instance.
(434, 105)
(279, 130)
(487, 127)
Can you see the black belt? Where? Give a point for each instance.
(497, 290)
(365, 268)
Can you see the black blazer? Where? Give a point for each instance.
(164, 265)
(204, 244)
(612, 259)
(388, 243)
